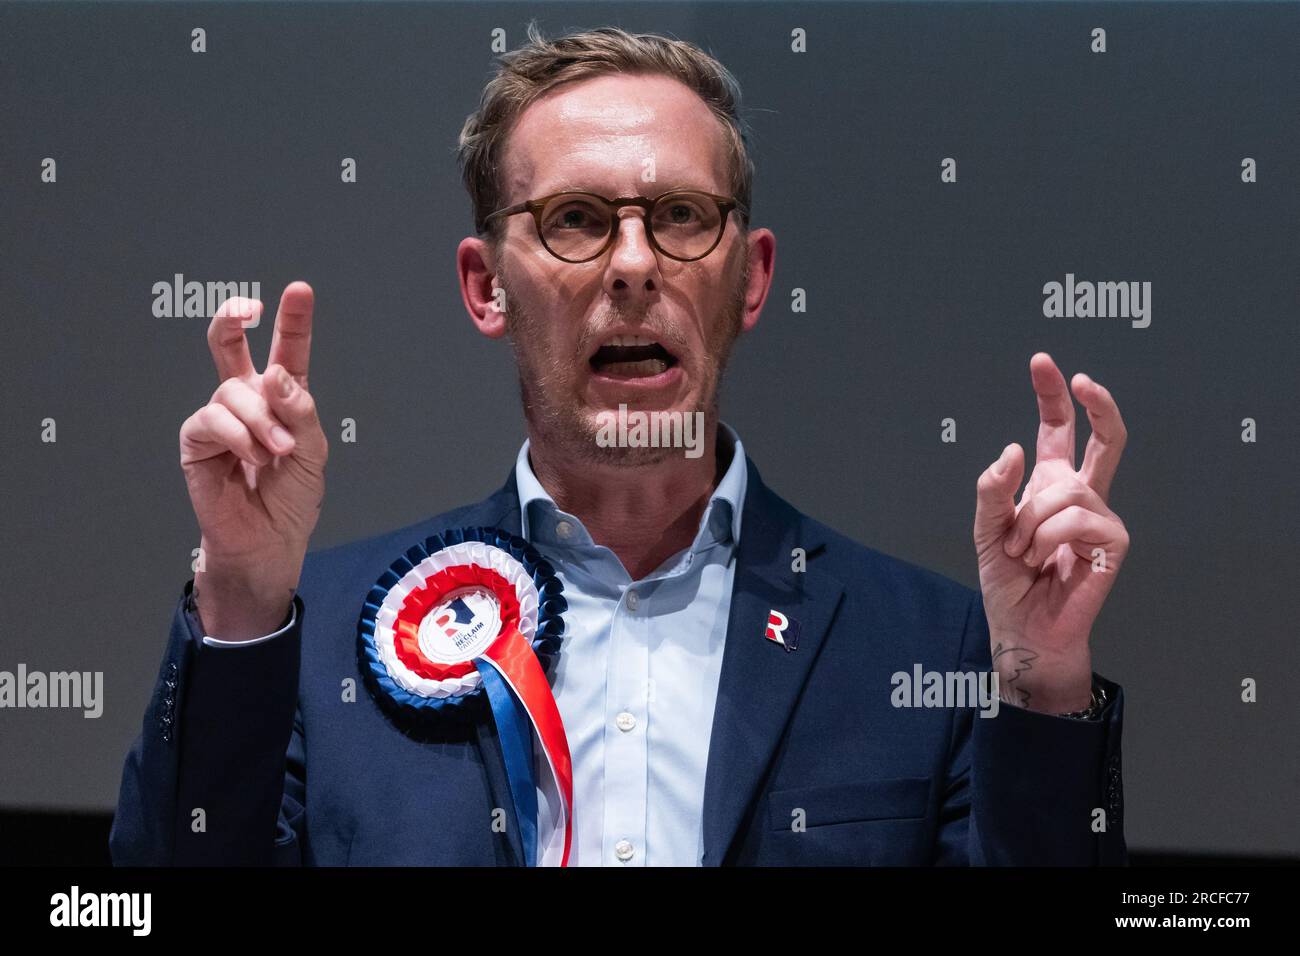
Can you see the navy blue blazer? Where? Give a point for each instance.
(259, 755)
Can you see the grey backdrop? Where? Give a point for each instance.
(924, 302)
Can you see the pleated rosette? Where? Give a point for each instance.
(470, 611)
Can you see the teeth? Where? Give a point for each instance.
(626, 340)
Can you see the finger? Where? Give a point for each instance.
(294, 406)
(1054, 498)
(291, 343)
(1106, 443)
(1055, 411)
(251, 408)
(995, 496)
(1083, 531)
(226, 338)
(214, 430)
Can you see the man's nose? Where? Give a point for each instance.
(634, 266)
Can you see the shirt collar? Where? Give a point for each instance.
(726, 504)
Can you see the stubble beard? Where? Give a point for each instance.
(553, 411)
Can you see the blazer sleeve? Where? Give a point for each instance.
(1031, 789)
(217, 774)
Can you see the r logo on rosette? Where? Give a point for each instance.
(477, 611)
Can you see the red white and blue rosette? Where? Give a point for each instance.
(477, 611)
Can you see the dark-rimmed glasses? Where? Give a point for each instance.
(684, 224)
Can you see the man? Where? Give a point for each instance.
(730, 673)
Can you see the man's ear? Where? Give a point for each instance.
(761, 249)
(483, 298)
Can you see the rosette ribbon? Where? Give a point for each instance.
(478, 610)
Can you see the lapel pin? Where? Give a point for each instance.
(782, 630)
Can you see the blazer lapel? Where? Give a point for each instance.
(761, 681)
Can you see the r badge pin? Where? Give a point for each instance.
(782, 630)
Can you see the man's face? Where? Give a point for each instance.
(571, 323)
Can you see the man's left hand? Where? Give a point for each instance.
(1048, 562)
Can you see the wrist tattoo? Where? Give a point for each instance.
(1011, 663)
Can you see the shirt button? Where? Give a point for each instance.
(623, 850)
(633, 599)
(564, 529)
(625, 721)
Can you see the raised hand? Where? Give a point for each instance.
(254, 461)
(1047, 562)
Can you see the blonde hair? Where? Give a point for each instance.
(539, 65)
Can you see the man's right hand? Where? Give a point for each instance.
(254, 460)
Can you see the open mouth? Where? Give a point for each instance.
(632, 356)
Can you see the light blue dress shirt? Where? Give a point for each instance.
(637, 679)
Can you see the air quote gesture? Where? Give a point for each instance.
(254, 461)
(1047, 562)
